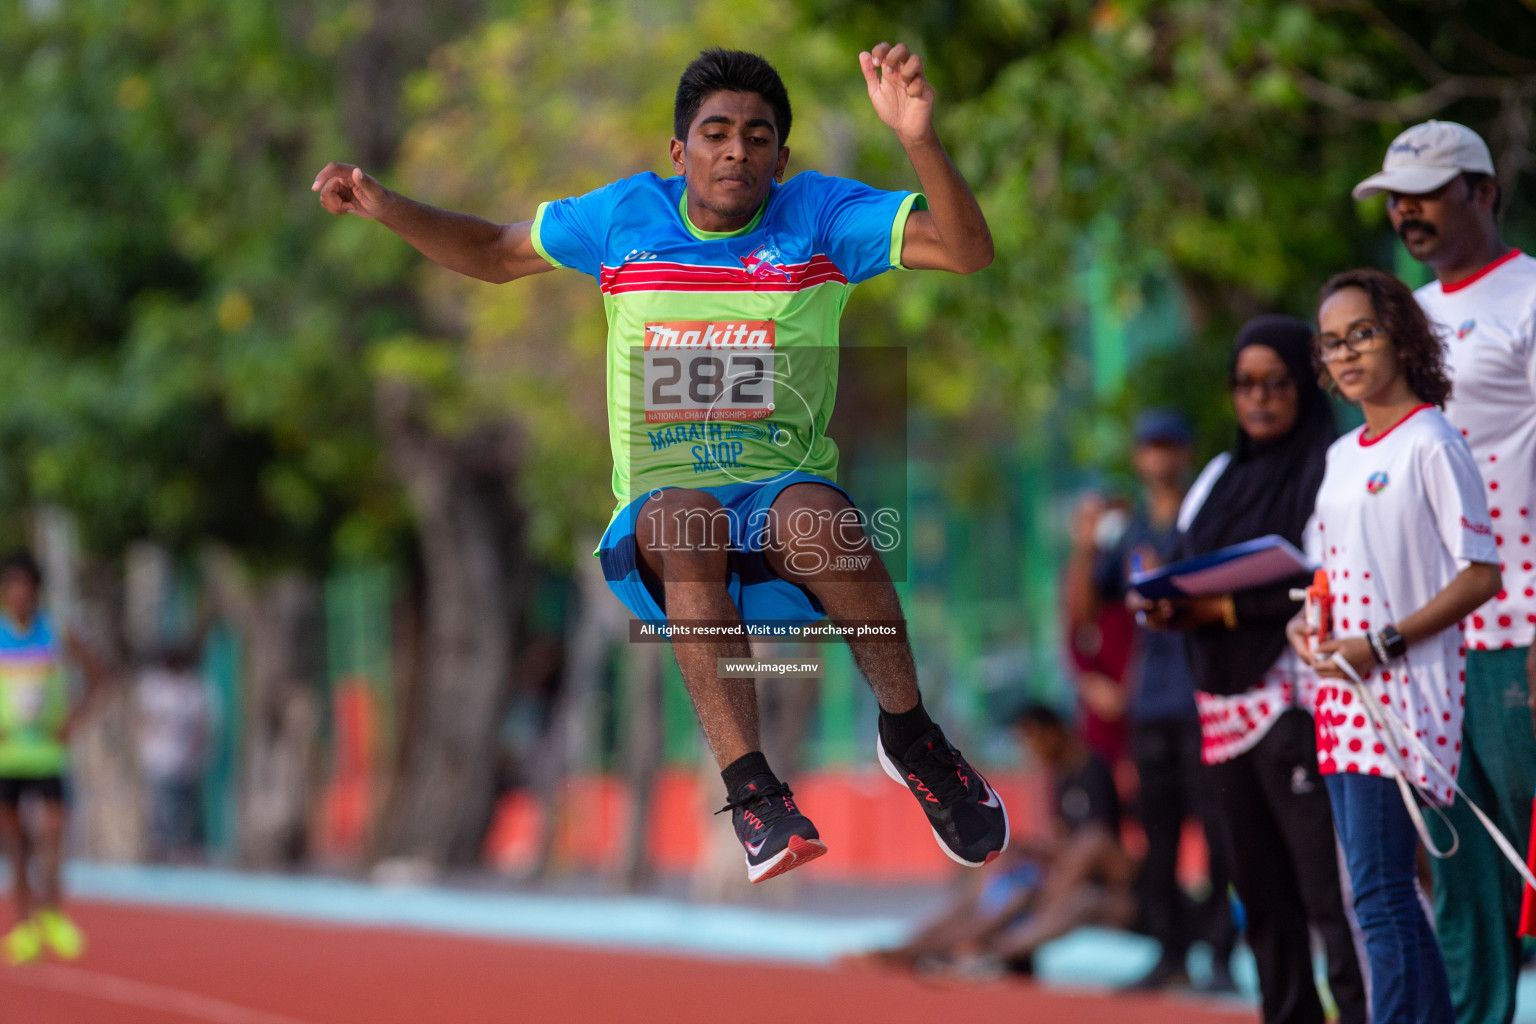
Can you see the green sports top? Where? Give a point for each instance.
(722, 347)
(34, 701)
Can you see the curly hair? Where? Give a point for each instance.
(1418, 342)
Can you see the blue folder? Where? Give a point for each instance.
(1253, 563)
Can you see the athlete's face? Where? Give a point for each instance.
(1263, 394)
(1361, 376)
(1437, 227)
(730, 159)
(18, 595)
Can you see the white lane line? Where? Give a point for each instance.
(127, 992)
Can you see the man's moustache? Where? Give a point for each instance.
(1409, 225)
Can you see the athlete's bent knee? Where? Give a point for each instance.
(684, 534)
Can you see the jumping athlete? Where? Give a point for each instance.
(723, 287)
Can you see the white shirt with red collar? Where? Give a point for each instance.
(1490, 329)
(1397, 518)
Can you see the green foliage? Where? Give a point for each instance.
(1193, 128)
(190, 346)
(181, 332)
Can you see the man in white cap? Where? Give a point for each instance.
(1443, 201)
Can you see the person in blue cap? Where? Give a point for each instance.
(1165, 725)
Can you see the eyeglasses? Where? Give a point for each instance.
(1265, 386)
(1365, 338)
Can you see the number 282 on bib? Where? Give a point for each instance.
(708, 370)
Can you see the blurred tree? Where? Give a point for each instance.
(1219, 139)
(184, 343)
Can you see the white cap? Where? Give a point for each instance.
(1427, 156)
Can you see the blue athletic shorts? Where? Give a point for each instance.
(759, 594)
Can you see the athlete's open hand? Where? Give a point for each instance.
(898, 89)
(344, 188)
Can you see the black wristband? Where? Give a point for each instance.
(1378, 649)
(1393, 642)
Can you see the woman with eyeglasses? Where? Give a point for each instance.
(1403, 528)
(1258, 737)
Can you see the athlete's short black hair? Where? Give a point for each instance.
(23, 562)
(718, 70)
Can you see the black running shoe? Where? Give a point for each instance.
(776, 836)
(967, 816)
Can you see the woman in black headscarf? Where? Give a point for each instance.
(1255, 716)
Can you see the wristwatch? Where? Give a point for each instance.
(1388, 644)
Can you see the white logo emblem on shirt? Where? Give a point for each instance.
(1300, 784)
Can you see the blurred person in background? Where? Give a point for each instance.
(1443, 201)
(36, 718)
(1164, 723)
(729, 260)
(1273, 813)
(1101, 635)
(175, 718)
(1075, 876)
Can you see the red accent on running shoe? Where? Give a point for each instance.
(990, 800)
(990, 858)
(798, 851)
(919, 783)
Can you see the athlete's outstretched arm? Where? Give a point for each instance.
(951, 234)
(473, 247)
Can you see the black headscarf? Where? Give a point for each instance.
(1266, 488)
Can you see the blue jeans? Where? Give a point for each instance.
(1408, 982)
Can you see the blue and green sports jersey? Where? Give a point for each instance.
(722, 346)
(33, 701)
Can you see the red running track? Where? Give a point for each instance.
(159, 966)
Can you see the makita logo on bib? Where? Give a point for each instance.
(736, 334)
(708, 370)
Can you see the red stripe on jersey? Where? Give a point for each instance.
(725, 286)
(1410, 414)
(1490, 268)
(685, 277)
